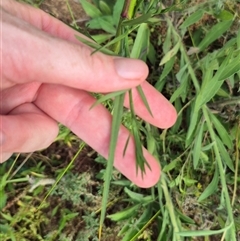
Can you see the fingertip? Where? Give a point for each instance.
(151, 175)
(172, 117)
(131, 69)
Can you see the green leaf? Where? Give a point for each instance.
(170, 53)
(224, 154)
(140, 159)
(7, 216)
(136, 197)
(171, 165)
(91, 10)
(141, 42)
(193, 18)
(144, 99)
(101, 38)
(214, 33)
(102, 22)
(231, 68)
(117, 9)
(222, 132)
(167, 68)
(189, 181)
(225, 15)
(199, 233)
(184, 218)
(125, 214)
(195, 116)
(211, 86)
(211, 188)
(112, 42)
(3, 199)
(182, 77)
(107, 97)
(95, 46)
(139, 223)
(197, 146)
(142, 19)
(116, 123)
(106, 10)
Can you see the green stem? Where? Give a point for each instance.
(170, 208)
(128, 9)
(221, 172)
(24, 179)
(185, 56)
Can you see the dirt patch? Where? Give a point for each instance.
(66, 11)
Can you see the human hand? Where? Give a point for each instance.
(46, 77)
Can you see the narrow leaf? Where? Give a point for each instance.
(197, 146)
(211, 188)
(91, 10)
(102, 22)
(125, 214)
(142, 19)
(95, 45)
(144, 99)
(195, 115)
(116, 123)
(199, 233)
(224, 154)
(170, 54)
(137, 197)
(211, 86)
(107, 97)
(214, 33)
(141, 42)
(167, 69)
(193, 18)
(222, 132)
(104, 8)
(231, 68)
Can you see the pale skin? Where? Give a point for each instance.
(46, 77)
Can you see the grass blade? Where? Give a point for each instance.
(116, 123)
(91, 10)
(222, 132)
(212, 187)
(197, 146)
(144, 99)
(204, 232)
(193, 18)
(215, 32)
(107, 97)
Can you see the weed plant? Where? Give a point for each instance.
(193, 52)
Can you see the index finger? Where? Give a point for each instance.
(38, 56)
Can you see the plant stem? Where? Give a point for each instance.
(236, 164)
(221, 172)
(170, 208)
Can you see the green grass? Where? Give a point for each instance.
(193, 52)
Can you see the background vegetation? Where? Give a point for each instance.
(193, 52)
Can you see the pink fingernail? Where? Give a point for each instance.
(131, 68)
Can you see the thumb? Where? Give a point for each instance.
(37, 56)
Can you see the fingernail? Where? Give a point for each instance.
(131, 68)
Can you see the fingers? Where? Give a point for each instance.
(17, 95)
(164, 115)
(72, 108)
(37, 56)
(41, 20)
(26, 129)
(4, 156)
